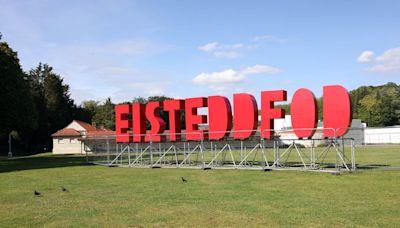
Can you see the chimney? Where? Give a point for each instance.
(94, 124)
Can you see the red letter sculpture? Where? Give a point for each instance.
(304, 116)
(304, 113)
(269, 113)
(193, 120)
(245, 116)
(156, 122)
(337, 111)
(173, 107)
(219, 117)
(122, 123)
(139, 122)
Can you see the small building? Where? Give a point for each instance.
(382, 135)
(70, 139)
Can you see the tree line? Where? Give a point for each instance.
(34, 104)
(377, 106)
(37, 103)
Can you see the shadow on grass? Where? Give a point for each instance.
(333, 166)
(41, 162)
(378, 167)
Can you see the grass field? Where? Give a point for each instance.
(119, 197)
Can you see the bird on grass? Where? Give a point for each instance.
(183, 180)
(36, 193)
(64, 189)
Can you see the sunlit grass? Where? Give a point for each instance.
(104, 196)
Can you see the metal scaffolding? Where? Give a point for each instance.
(278, 153)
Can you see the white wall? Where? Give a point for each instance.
(66, 145)
(284, 127)
(382, 135)
(356, 131)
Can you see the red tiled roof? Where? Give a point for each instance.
(87, 126)
(91, 131)
(66, 132)
(99, 132)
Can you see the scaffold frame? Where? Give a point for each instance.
(334, 154)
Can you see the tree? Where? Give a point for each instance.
(17, 111)
(57, 98)
(87, 110)
(377, 105)
(105, 115)
(139, 100)
(53, 102)
(91, 106)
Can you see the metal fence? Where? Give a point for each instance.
(281, 152)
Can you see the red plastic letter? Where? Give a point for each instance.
(192, 119)
(219, 117)
(139, 122)
(268, 112)
(245, 116)
(337, 111)
(156, 122)
(304, 113)
(122, 124)
(174, 107)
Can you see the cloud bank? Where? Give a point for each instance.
(388, 62)
(220, 80)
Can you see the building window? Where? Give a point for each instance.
(60, 141)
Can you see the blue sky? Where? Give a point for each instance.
(124, 49)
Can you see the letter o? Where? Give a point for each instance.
(304, 113)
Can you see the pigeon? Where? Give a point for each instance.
(183, 179)
(36, 193)
(64, 189)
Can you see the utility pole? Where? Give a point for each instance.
(9, 146)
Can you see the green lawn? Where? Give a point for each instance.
(104, 196)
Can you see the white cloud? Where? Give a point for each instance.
(233, 51)
(108, 69)
(222, 80)
(227, 54)
(209, 47)
(227, 51)
(226, 76)
(233, 46)
(156, 91)
(388, 62)
(365, 56)
(389, 55)
(149, 88)
(269, 38)
(81, 94)
(128, 91)
(260, 69)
